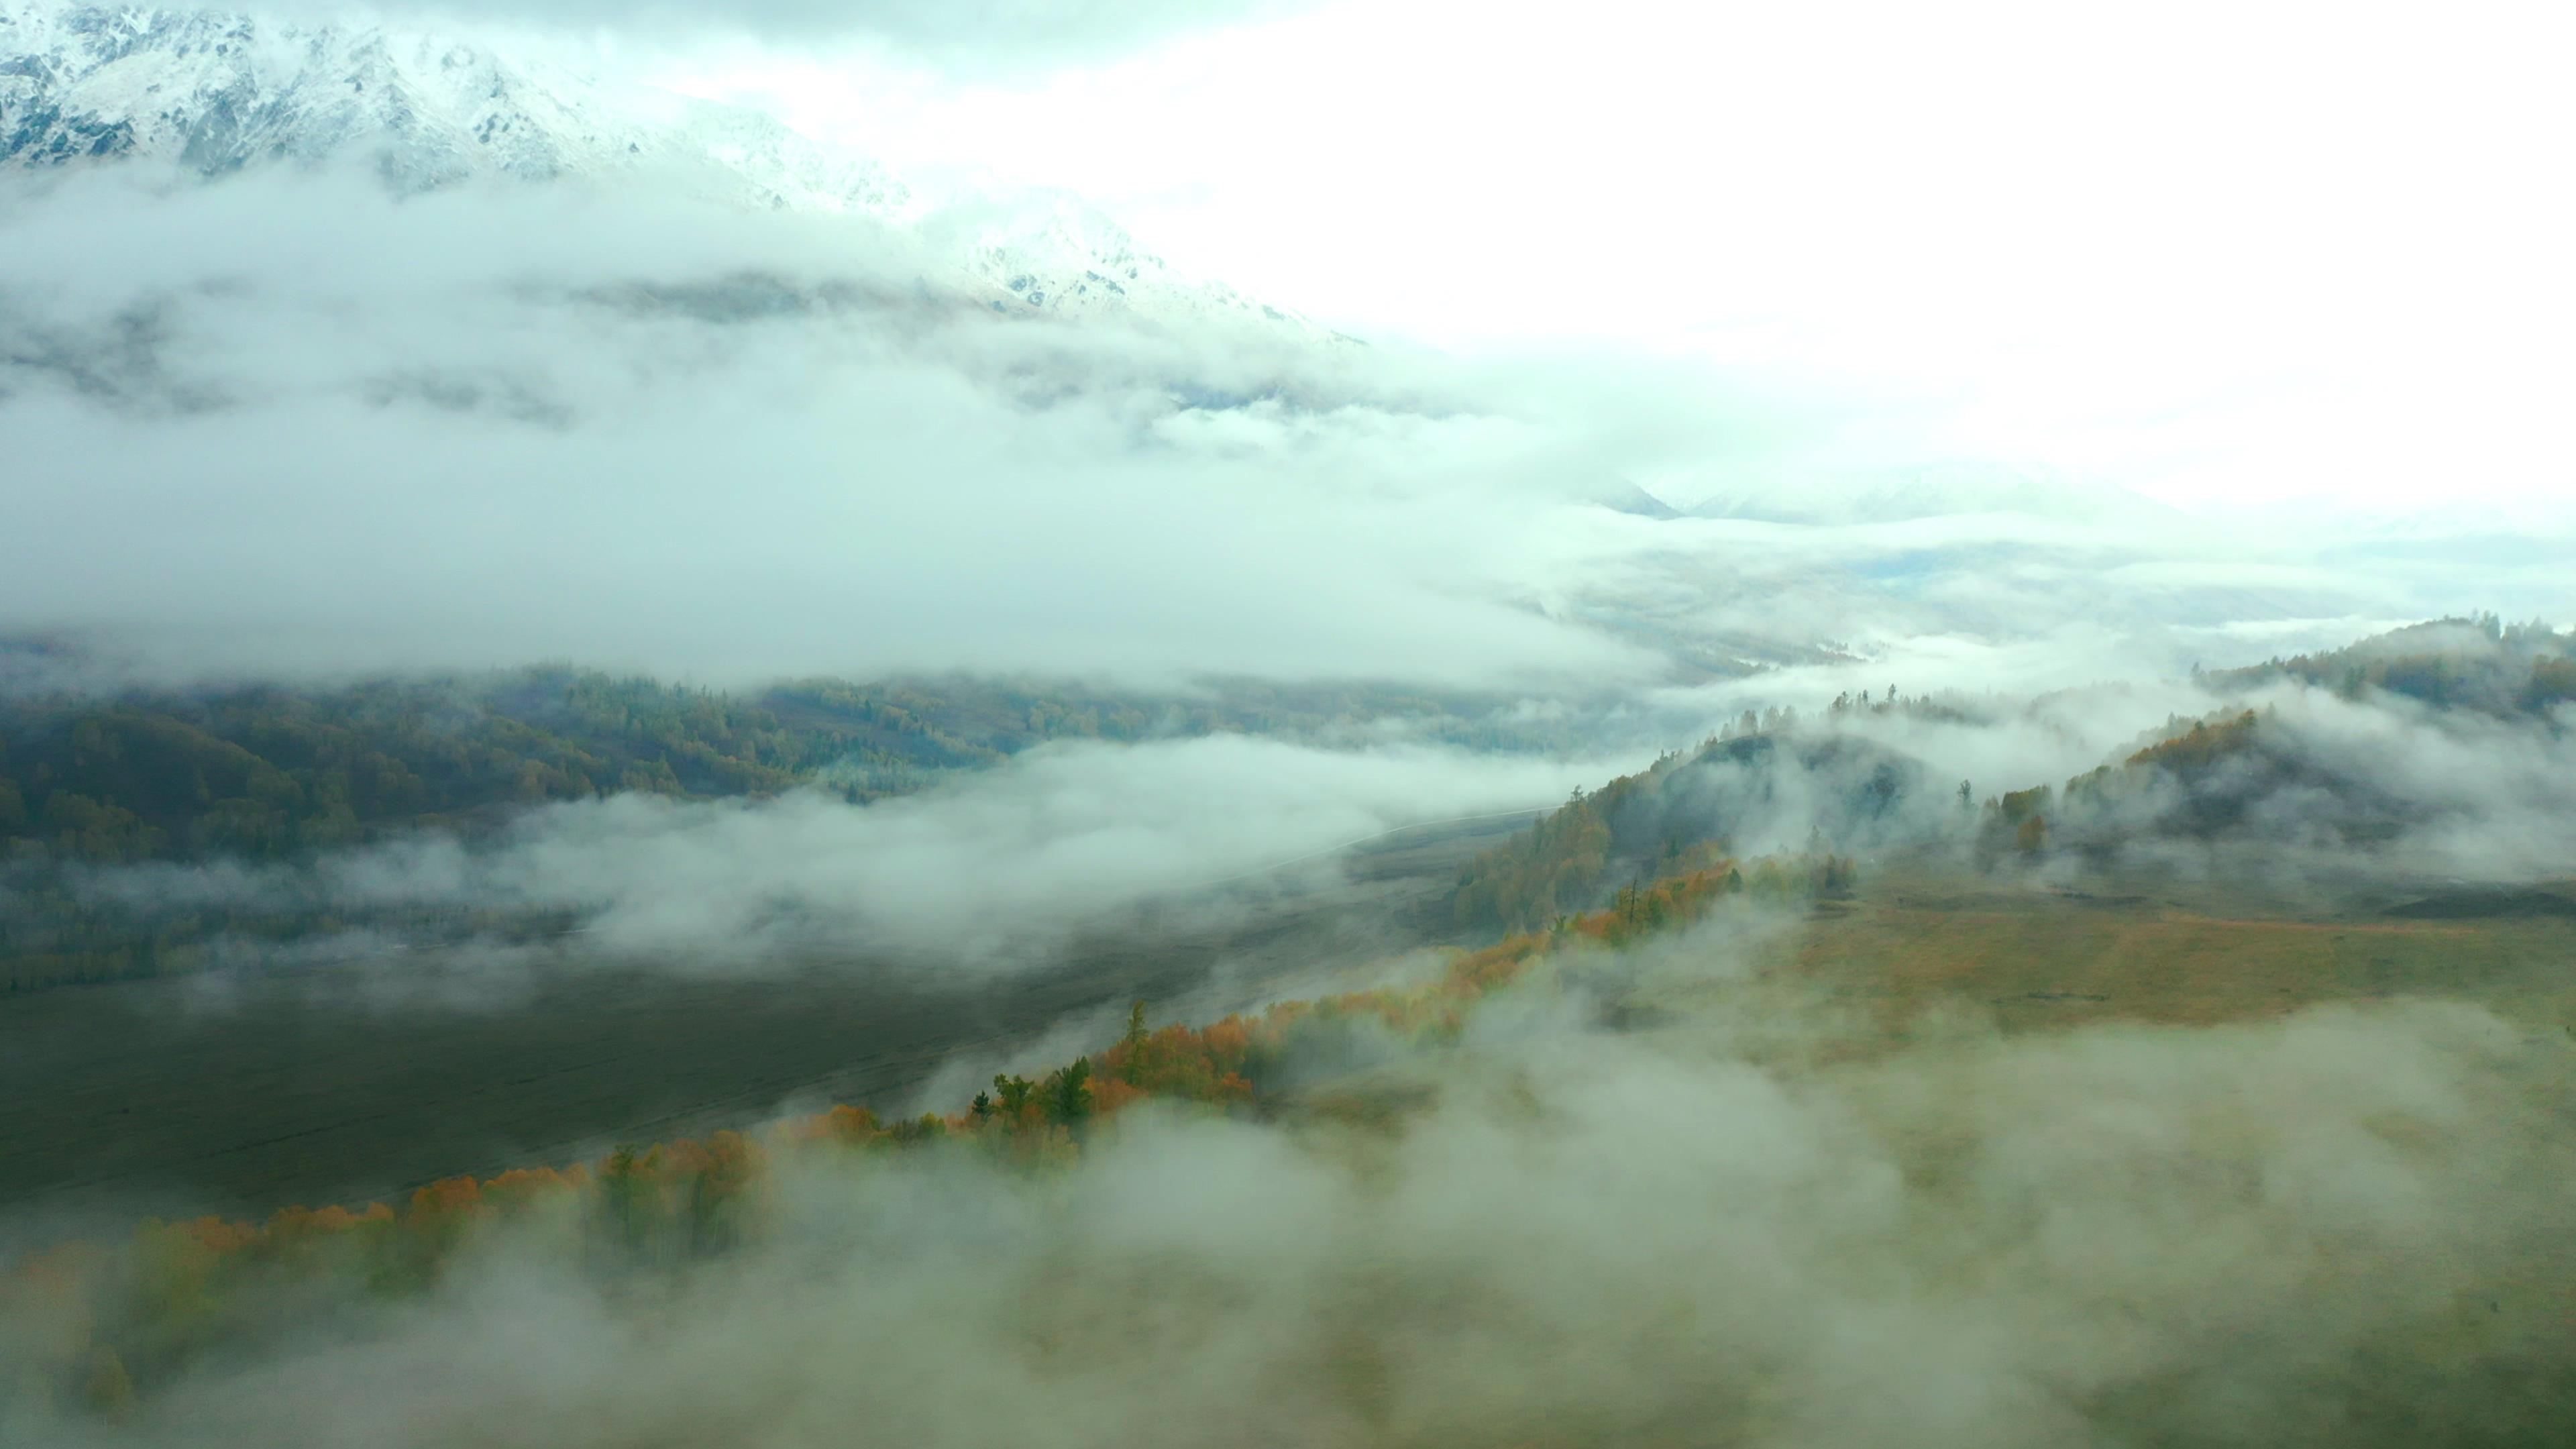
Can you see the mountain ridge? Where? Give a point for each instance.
(209, 93)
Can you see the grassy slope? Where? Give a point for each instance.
(1920, 943)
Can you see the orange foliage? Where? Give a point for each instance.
(1481, 971)
(1111, 1093)
(296, 1223)
(447, 1197)
(1227, 1042)
(727, 1157)
(523, 1187)
(2200, 746)
(218, 1236)
(850, 1126)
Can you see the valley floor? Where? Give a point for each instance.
(243, 1094)
(345, 1084)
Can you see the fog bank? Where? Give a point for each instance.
(2115, 1235)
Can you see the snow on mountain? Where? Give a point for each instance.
(211, 93)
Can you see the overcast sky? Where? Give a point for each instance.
(2221, 253)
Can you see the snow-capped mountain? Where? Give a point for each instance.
(211, 93)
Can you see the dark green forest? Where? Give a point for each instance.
(266, 772)
(271, 774)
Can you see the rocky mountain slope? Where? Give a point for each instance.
(208, 94)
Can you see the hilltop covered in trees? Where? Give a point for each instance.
(1749, 784)
(2203, 778)
(2240, 774)
(2325, 770)
(2480, 663)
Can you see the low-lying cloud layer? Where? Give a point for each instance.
(2346, 1227)
(514, 424)
(340, 432)
(1005, 868)
(2349, 789)
(988, 872)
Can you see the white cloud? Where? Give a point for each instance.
(341, 432)
(2220, 253)
(2114, 1233)
(996, 869)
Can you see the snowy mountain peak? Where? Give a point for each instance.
(209, 94)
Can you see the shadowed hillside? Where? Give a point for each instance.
(268, 771)
(1778, 788)
(2480, 663)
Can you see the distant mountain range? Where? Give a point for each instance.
(209, 93)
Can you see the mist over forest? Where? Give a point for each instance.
(1290, 723)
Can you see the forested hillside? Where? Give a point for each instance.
(274, 774)
(268, 771)
(1753, 779)
(2479, 663)
(264, 772)
(2242, 774)
(2314, 766)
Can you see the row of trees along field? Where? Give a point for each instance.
(98, 1323)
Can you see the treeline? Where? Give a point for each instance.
(97, 1324)
(263, 774)
(2199, 778)
(2185, 761)
(2480, 663)
(270, 771)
